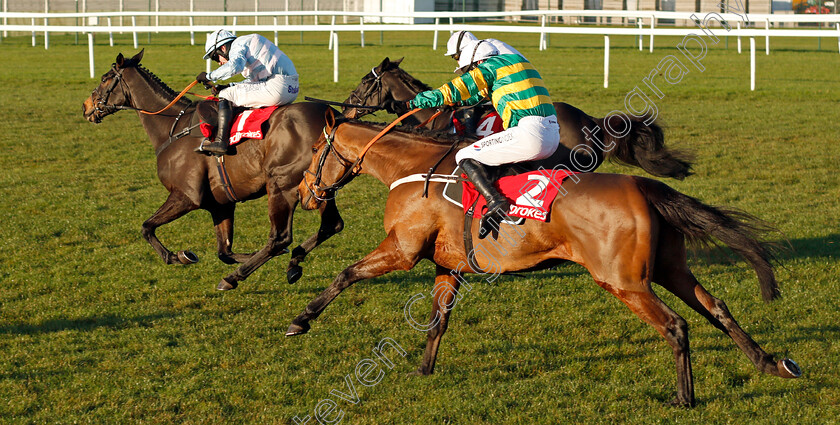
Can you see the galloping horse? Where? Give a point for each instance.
(273, 166)
(627, 231)
(584, 140)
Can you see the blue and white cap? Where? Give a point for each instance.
(215, 40)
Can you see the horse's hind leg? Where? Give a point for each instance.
(176, 205)
(223, 225)
(331, 224)
(671, 271)
(671, 326)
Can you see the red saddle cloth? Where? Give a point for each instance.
(530, 194)
(248, 125)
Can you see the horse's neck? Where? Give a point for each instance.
(149, 95)
(397, 155)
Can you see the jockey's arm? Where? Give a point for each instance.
(469, 89)
(235, 64)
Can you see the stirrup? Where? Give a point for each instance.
(484, 225)
(211, 148)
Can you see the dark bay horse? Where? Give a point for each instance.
(273, 166)
(627, 231)
(584, 140)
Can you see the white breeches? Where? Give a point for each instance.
(276, 90)
(532, 138)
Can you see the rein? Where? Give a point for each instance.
(102, 104)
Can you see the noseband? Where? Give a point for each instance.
(349, 174)
(101, 106)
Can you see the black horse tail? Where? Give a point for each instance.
(644, 146)
(700, 223)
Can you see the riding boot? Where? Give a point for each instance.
(497, 205)
(220, 145)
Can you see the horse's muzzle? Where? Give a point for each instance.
(89, 111)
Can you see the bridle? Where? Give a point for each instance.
(101, 105)
(376, 86)
(352, 168)
(104, 108)
(349, 174)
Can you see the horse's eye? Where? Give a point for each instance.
(314, 149)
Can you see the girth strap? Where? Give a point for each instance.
(223, 175)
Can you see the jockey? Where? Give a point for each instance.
(469, 118)
(271, 79)
(521, 99)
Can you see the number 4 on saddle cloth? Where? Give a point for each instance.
(247, 125)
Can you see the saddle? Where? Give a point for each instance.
(247, 123)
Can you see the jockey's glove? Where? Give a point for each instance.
(202, 78)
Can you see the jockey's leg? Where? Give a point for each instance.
(496, 203)
(222, 141)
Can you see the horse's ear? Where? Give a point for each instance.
(397, 62)
(329, 118)
(136, 59)
(120, 60)
(384, 63)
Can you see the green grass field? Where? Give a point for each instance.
(94, 328)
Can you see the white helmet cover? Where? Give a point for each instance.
(475, 51)
(215, 40)
(457, 41)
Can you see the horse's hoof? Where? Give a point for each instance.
(296, 329)
(187, 257)
(686, 404)
(294, 274)
(224, 285)
(788, 369)
(417, 372)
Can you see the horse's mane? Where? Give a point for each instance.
(439, 137)
(161, 88)
(409, 80)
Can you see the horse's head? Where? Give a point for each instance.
(384, 84)
(331, 168)
(111, 93)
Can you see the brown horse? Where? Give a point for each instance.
(627, 231)
(584, 140)
(273, 166)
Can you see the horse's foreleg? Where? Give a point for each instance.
(331, 224)
(223, 225)
(385, 258)
(176, 205)
(281, 206)
(445, 298)
(671, 326)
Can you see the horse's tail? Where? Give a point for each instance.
(643, 146)
(700, 223)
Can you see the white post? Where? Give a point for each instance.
(344, 9)
(641, 37)
(234, 24)
(542, 33)
(134, 33)
(652, 25)
(275, 30)
(5, 19)
(316, 12)
(435, 39)
(606, 61)
(46, 25)
(256, 10)
(738, 30)
(90, 52)
(208, 66)
(332, 31)
(110, 34)
(157, 18)
(767, 37)
(450, 26)
(752, 63)
(34, 41)
(361, 31)
(192, 22)
(335, 57)
(838, 37)
(122, 9)
(287, 12)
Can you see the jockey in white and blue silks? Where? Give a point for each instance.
(271, 78)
